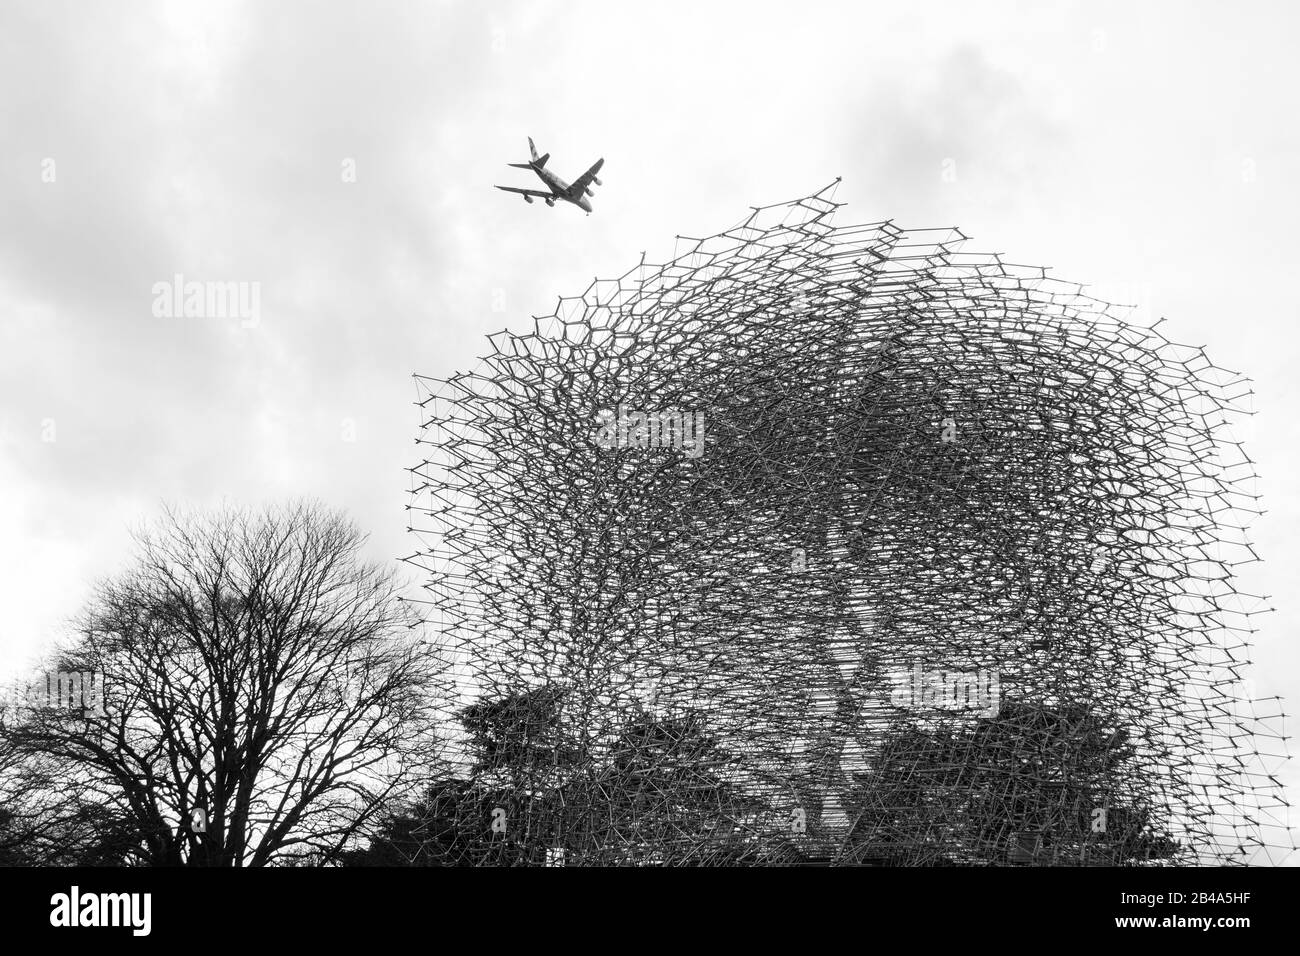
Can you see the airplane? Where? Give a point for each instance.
(576, 194)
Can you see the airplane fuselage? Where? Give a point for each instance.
(560, 188)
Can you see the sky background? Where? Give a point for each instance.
(1150, 151)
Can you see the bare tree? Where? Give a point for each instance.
(15, 831)
(264, 693)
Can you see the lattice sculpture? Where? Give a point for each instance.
(837, 544)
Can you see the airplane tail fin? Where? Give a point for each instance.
(538, 161)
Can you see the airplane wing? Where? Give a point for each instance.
(583, 181)
(528, 192)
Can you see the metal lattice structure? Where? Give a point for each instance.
(839, 544)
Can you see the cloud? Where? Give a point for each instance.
(958, 132)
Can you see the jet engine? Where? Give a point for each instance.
(550, 202)
(528, 199)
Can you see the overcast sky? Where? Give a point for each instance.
(1152, 153)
